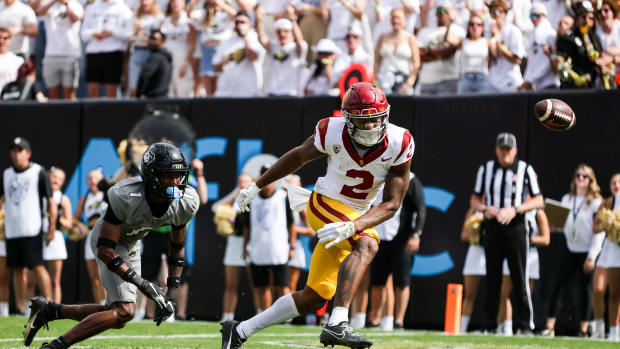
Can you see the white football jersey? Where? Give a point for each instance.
(353, 179)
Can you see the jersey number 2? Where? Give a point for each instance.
(367, 180)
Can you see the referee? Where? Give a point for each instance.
(506, 188)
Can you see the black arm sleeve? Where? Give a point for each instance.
(110, 217)
(418, 202)
(45, 188)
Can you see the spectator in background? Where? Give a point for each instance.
(608, 30)
(355, 51)
(507, 50)
(314, 19)
(25, 87)
(156, 73)
(323, 77)
(475, 59)
(518, 13)
(269, 242)
(215, 24)
(438, 51)
(56, 252)
(233, 256)
(61, 63)
(106, 29)
(181, 42)
(239, 59)
(397, 57)
(564, 25)
(383, 11)
(9, 62)
(343, 13)
(23, 187)
(583, 47)
(581, 250)
(272, 11)
(297, 261)
(608, 259)
(91, 205)
(556, 10)
(21, 21)
(539, 72)
(4, 275)
(285, 56)
(148, 18)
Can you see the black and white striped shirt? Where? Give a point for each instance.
(506, 187)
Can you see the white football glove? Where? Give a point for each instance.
(335, 232)
(246, 195)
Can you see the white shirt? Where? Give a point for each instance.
(538, 70)
(578, 226)
(444, 69)
(63, 36)
(350, 178)
(269, 236)
(21, 204)
(504, 75)
(556, 9)
(519, 15)
(112, 15)
(243, 78)
(273, 6)
(220, 29)
(611, 40)
(176, 35)
(9, 64)
(340, 18)
(149, 22)
(475, 56)
(285, 74)
(17, 15)
(344, 59)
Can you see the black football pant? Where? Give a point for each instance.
(512, 243)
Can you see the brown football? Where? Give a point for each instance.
(555, 115)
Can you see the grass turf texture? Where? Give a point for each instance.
(198, 334)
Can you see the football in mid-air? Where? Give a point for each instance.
(555, 115)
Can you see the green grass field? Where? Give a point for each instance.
(198, 334)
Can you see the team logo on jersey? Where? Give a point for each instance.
(17, 190)
(336, 148)
(148, 156)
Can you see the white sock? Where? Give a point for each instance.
(102, 302)
(614, 332)
(358, 321)
(283, 309)
(598, 328)
(27, 308)
(139, 315)
(387, 323)
(508, 327)
(171, 318)
(464, 323)
(339, 314)
(228, 316)
(4, 309)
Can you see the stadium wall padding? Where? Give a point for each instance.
(453, 136)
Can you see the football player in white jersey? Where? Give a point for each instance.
(137, 205)
(365, 153)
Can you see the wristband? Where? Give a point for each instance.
(177, 261)
(177, 246)
(129, 276)
(115, 263)
(173, 282)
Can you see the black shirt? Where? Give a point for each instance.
(573, 45)
(156, 74)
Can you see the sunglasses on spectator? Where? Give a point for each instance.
(604, 10)
(441, 10)
(581, 176)
(475, 24)
(534, 15)
(351, 36)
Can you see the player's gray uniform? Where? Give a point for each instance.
(128, 202)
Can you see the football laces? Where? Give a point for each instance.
(563, 116)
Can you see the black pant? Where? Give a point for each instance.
(571, 265)
(507, 242)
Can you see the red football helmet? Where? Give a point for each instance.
(365, 101)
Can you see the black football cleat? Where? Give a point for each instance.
(41, 312)
(230, 336)
(55, 344)
(343, 334)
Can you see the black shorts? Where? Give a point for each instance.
(391, 259)
(105, 67)
(24, 252)
(260, 275)
(153, 246)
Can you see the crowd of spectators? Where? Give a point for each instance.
(249, 48)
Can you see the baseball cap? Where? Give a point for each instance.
(19, 142)
(506, 139)
(539, 8)
(355, 29)
(283, 23)
(326, 45)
